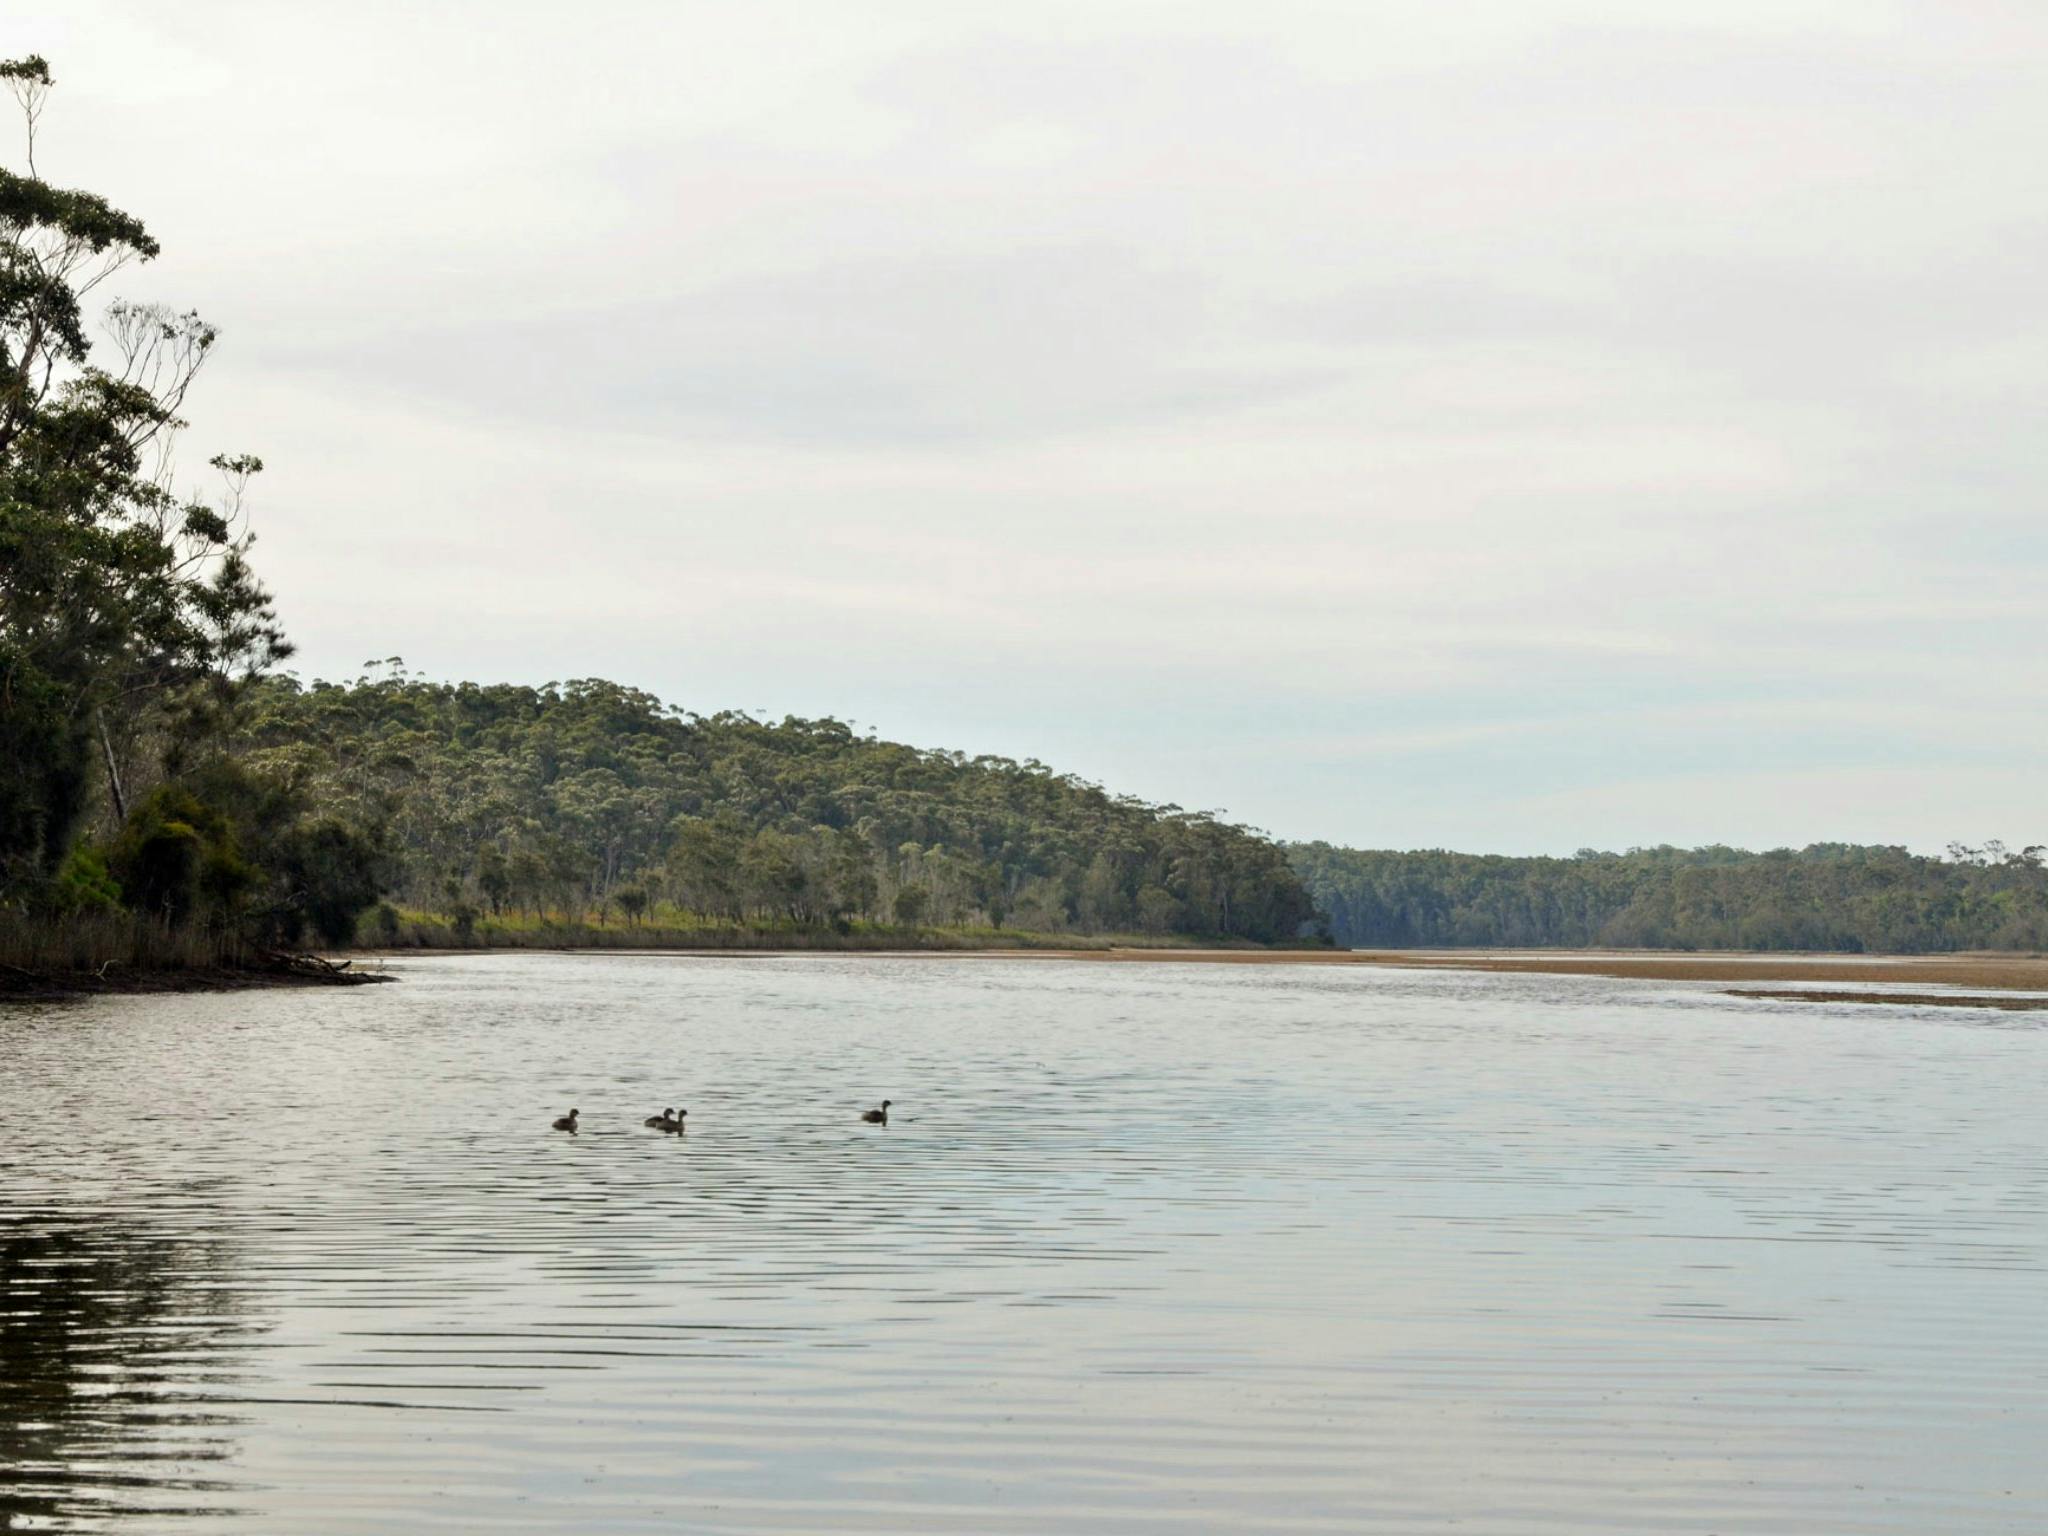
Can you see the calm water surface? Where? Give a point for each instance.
(1146, 1248)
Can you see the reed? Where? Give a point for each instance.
(99, 941)
(414, 929)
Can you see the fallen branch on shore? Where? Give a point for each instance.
(265, 968)
(316, 967)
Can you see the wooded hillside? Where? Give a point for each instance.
(590, 797)
(1830, 896)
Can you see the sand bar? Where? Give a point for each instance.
(1982, 972)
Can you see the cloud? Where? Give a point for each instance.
(1001, 345)
(1518, 424)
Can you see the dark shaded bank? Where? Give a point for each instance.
(26, 984)
(18, 984)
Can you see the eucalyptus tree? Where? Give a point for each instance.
(570, 793)
(126, 606)
(1826, 896)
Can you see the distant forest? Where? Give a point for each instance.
(597, 801)
(1831, 896)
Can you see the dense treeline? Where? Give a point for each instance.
(1831, 896)
(592, 798)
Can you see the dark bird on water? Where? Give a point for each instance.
(665, 1121)
(877, 1116)
(675, 1126)
(566, 1122)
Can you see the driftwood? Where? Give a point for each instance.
(316, 967)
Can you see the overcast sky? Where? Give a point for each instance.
(1510, 425)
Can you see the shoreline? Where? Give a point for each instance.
(1741, 972)
(1990, 971)
(1979, 971)
(19, 986)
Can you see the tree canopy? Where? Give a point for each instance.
(131, 621)
(584, 795)
(1830, 896)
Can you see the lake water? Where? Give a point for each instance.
(1144, 1248)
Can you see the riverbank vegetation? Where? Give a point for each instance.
(131, 627)
(392, 928)
(1830, 896)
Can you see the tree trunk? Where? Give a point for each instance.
(114, 791)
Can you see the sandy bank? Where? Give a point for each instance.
(1987, 972)
(1995, 972)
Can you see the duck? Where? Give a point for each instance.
(665, 1121)
(566, 1122)
(675, 1126)
(877, 1116)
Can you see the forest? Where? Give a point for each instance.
(1830, 896)
(591, 802)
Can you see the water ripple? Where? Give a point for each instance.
(1143, 1249)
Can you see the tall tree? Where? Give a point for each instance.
(124, 606)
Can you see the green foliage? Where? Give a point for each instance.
(327, 875)
(494, 876)
(238, 850)
(129, 616)
(1830, 896)
(176, 858)
(85, 884)
(572, 798)
(382, 925)
(44, 768)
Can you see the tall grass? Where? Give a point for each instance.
(673, 929)
(103, 941)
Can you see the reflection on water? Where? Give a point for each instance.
(1142, 1248)
(105, 1326)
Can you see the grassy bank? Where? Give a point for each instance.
(125, 952)
(104, 941)
(121, 952)
(399, 929)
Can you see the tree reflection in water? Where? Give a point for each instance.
(106, 1328)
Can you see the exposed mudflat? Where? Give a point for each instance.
(2009, 1000)
(1992, 972)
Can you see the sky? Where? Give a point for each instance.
(1513, 426)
